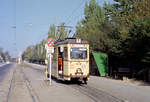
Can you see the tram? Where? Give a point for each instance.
(71, 60)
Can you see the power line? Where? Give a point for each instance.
(78, 7)
(69, 18)
(74, 18)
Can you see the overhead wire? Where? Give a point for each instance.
(75, 15)
(69, 18)
(75, 10)
(72, 16)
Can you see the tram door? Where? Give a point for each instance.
(60, 61)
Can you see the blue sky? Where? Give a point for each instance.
(33, 19)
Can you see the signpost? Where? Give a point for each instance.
(49, 50)
(50, 42)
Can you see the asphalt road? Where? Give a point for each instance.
(6, 73)
(4, 68)
(27, 83)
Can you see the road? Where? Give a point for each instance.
(3, 69)
(26, 83)
(6, 72)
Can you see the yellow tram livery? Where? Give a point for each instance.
(71, 60)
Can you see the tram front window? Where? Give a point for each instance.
(78, 53)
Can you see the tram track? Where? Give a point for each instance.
(95, 94)
(19, 80)
(31, 91)
(91, 92)
(10, 88)
(34, 68)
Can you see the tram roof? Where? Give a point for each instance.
(71, 41)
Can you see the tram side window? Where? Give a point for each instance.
(65, 53)
(54, 54)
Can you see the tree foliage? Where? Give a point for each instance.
(37, 52)
(132, 19)
(138, 42)
(90, 28)
(4, 55)
(121, 28)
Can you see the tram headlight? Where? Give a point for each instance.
(79, 70)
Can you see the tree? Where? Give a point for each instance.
(90, 28)
(138, 42)
(121, 29)
(123, 12)
(141, 8)
(27, 55)
(122, 15)
(52, 32)
(4, 55)
(35, 53)
(7, 56)
(43, 51)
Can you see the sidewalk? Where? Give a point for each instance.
(37, 66)
(130, 81)
(125, 90)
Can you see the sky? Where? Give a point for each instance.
(26, 22)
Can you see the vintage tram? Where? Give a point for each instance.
(71, 60)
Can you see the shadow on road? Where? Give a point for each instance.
(72, 82)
